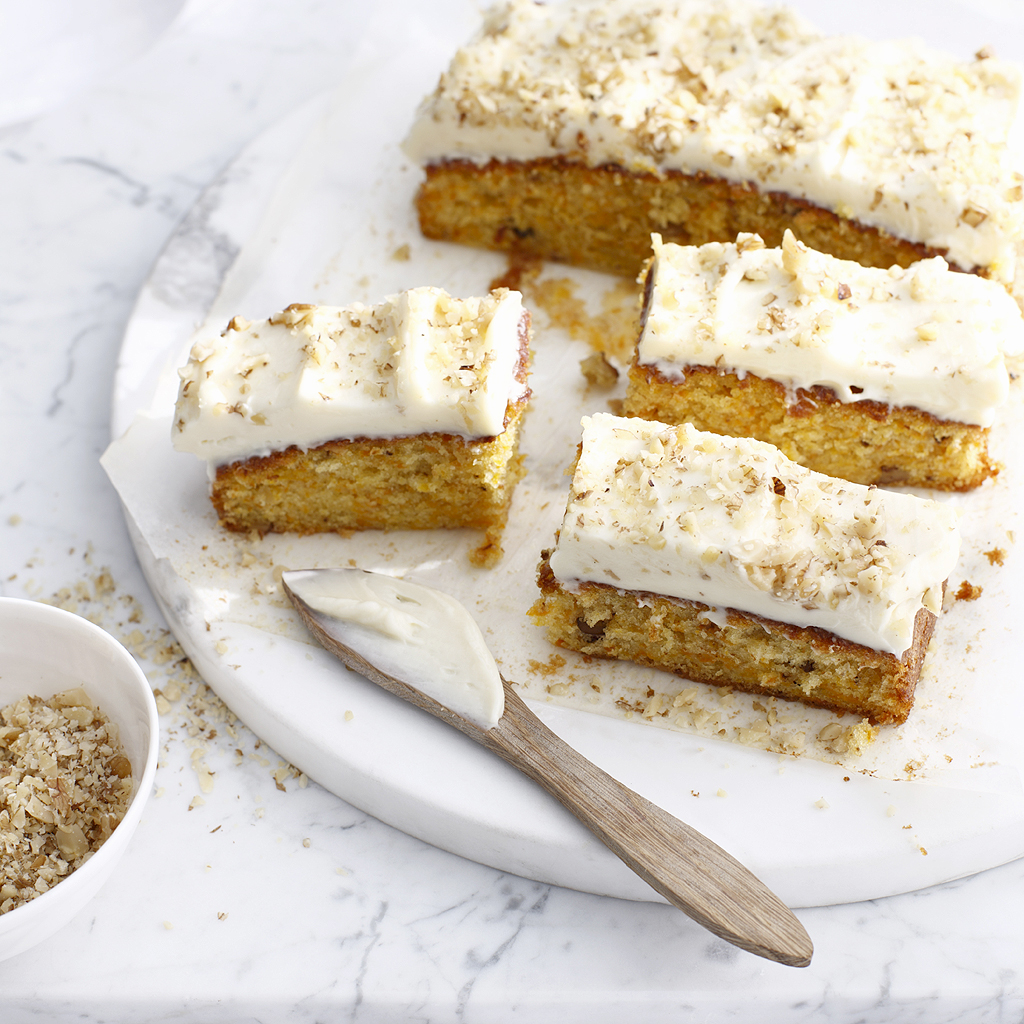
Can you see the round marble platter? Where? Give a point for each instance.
(319, 208)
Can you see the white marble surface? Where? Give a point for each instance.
(364, 923)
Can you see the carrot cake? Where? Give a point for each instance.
(877, 376)
(724, 562)
(573, 130)
(402, 415)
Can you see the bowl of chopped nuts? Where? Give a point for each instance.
(78, 748)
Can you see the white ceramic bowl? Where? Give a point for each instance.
(44, 650)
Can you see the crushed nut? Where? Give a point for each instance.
(65, 783)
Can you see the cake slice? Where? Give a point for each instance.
(722, 561)
(402, 415)
(877, 376)
(571, 131)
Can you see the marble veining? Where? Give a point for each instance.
(195, 243)
(248, 903)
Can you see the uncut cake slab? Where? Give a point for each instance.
(303, 216)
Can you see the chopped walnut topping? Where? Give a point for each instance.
(304, 376)
(295, 315)
(731, 522)
(748, 242)
(974, 216)
(751, 94)
(789, 314)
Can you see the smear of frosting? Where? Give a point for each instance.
(417, 634)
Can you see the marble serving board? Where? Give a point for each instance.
(320, 209)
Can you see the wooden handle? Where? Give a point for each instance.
(690, 871)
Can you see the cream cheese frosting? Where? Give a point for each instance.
(925, 337)
(415, 633)
(418, 362)
(892, 134)
(732, 523)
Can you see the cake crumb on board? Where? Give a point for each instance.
(612, 331)
(192, 714)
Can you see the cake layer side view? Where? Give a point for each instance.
(402, 415)
(572, 131)
(876, 376)
(721, 561)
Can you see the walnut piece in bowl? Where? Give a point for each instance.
(78, 748)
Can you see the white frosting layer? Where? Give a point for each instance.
(417, 634)
(925, 337)
(733, 523)
(419, 362)
(892, 134)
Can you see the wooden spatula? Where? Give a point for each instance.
(691, 872)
